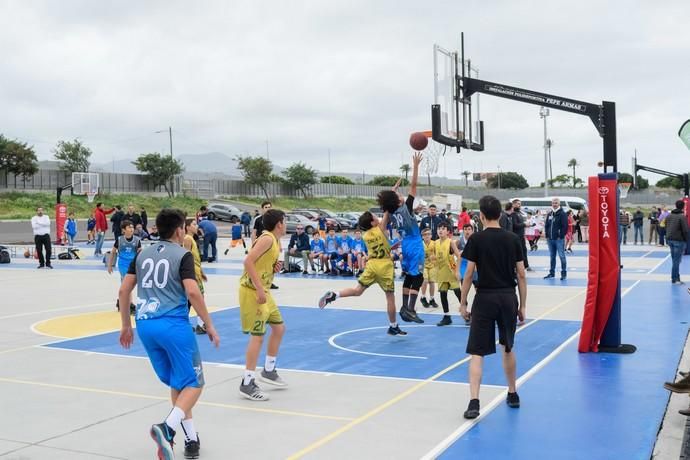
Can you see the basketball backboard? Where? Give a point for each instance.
(459, 118)
(85, 183)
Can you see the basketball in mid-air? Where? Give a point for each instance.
(418, 141)
(27, 254)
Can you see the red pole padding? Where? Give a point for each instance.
(604, 268)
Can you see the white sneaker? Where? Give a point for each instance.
(252, 391)
(272, 378)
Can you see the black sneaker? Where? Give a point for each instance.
(472, 409)
(445, 321)
(192, 448)
(273, 286)
(563, 277)
(424, 302)
(513, 400)
(396, 331)
(327, 298)
(405, 315)
(415, 317)
(549, 276)
(200, 330)
(433, 303)
(163, 436)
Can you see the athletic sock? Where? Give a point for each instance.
(199, 321)
(411, 303)
(270, 363)
(406, 300)
(189, 430)
(394, 325)
(248, 376)
(444, 301)
(174, 418)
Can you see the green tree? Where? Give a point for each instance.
(159, 169)
(466, 174)
(336, 180)
(670, 182)
(17, 158)
(560, 181)
(509, 179)
(642, 183)
(387, 181)
(300, 176)
(256, 171)
(405, 169)
(572, 163)
(74, 156)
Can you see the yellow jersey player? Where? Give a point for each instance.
(429, 270)
(257, 307)
(379, 268)
(447, 255)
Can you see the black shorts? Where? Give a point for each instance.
(490, 309)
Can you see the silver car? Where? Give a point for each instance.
(293, 220)
(220, 211)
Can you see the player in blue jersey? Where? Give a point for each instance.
(404, 220)
(164, 276)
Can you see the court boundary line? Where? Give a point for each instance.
(651, 272)
(383, 406)
(469, 424)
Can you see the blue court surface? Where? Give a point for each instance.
(316, 341)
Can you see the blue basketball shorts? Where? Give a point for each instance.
(413, 255)
(173, 351)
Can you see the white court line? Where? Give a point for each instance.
(331, 341)
(658, 265)
(466, 426)
(40, 312)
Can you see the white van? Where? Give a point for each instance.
(544, 203)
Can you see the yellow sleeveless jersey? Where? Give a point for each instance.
(428, 252)
(445, 261)
(264, 264)
(377, 244)
(197, 259)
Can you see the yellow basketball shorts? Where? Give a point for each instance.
(381, 272)
(256, 316)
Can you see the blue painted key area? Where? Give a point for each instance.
(593, 406)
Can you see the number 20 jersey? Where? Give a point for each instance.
(160, 292)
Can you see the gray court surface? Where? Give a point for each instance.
(69, 404)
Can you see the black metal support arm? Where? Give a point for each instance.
(661, 172)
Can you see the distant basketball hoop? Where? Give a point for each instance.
(90, 196)
(623, 188)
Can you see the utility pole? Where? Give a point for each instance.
(330, 176)
(267, 156)
(543, 113)
(172, 179)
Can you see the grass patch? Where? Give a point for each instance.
(22, 205)
(337, 204)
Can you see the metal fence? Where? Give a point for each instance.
(49, 180)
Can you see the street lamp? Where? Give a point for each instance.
(543, 113)
(172, 182)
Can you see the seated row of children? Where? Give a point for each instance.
(333, 254)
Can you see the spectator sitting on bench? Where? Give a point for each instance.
(298, 247)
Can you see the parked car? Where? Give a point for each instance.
(352, 217)
(314, 216)
(220, 211)
(293, 220)
(342, 222)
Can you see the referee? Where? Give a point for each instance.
(497, 255)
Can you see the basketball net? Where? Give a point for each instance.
(432, 154)
(623, 187)
(90, 196)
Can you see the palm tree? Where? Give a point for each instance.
(466, 174)
(573, 164)
(406, 169)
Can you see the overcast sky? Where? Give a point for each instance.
(355, 77)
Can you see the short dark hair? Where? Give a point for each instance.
(388, 200)
(508, 206)
(444, 224)
(169, 220)
(265, 203)
(468, 226)
(490, 207)
(118, 207)
(203, 208)
(271, 218)
(680, 204)
(426, 231)
(365, 221)
(126, 223)
(99, 204)
(464, 209)
(432, 205)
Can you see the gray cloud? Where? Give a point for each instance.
(352, 77)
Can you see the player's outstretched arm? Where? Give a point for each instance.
(383, 223)
(416, 160)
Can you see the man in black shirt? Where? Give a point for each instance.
(432, 221)
(519, 229)
(497, 255)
